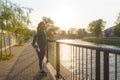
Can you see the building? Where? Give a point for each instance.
(109, 31)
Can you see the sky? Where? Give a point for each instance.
(72, 13)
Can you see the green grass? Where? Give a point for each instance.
(107, 41)
(19, 44)
(4, 57)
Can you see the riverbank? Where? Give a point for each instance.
(113, 41)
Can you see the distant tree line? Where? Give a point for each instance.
(95, 29)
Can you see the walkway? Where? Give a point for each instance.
(24, 65)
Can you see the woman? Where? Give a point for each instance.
(41, 40)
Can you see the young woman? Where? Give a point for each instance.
(39, 43)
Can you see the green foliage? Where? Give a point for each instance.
(116, 30)
(118, 19)
(50, 28)
(96, 27)
(62, 33)
(4, 57)
(108, 41)
(81, 32)
(14, 18)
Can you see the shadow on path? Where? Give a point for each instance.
(38, 77)
(26, 66)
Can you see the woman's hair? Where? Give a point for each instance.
(40, 25)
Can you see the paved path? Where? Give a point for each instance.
(24, 65)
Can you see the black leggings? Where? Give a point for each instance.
(41, 54)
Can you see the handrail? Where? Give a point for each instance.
(102, 48)
(85, 51)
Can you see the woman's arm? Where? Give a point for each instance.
(34, 40)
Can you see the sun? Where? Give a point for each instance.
(64, 17)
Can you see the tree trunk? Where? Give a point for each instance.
(5, 45)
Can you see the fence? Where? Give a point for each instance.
(76, 61)
(6, 40)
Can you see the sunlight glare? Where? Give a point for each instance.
(64, 16)
(65, 55)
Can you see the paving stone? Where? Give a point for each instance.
(24, 66)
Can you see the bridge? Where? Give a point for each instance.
(78, 60)
(65, 60)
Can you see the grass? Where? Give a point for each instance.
(19, 44)
(107, 41)
(4, 57)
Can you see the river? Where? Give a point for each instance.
(66, 55)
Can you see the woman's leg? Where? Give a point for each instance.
(41, 55)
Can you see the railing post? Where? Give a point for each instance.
(97, 64)
(57, 60)
(47, 53)
(106, 65)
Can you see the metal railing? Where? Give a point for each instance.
(75, 61)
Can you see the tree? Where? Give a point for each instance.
(50, 29)
(96, 27)
(118, 19)
(116, 30)
(81, 32)
(13, 18)
(72, 31)
(62, 33)
(3, 17)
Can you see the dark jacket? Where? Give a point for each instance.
(40, 38)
